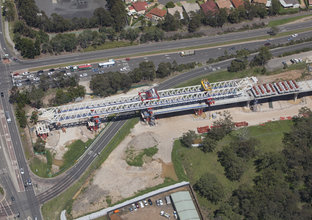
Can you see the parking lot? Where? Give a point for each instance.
(156, 210)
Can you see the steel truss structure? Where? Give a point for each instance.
(167, 98)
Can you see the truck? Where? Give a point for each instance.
(187, 53)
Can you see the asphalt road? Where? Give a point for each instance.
(26, 202)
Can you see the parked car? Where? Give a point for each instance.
(22, 171)
(175, 214)
(150, 202)
(52, 70)
(12, 198)
(267, 44)
(137, 205)
(294, 35)
(167, 215)
(145, 203)
(2, 94)
(141, 204)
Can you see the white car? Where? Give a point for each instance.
(294, 35)
(50, 73)
(22, 171)
(141, 204)
(25, 73)
(145, 203)
(30, 76)
(19, 84)
(85, 74)
(36, 79)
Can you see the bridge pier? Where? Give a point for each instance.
(295, 97)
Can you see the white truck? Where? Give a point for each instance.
(187, 53)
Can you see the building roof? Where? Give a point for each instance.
(188, 7)
(184, 205)
(260, 1)
(209, 6)
(224, 4)
(310, 2)
(130, 8)
(179, 9)
(237, 3)
(156, 12)
(139, 6)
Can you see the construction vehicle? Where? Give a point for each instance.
(206, 85)
(187, 53)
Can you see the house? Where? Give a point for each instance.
(237, 3)
(190, 7)
(310, 2)
(289, 3)
(178, 9)
(209, 7)
(156, 14)
(260, 1)
(129, 1)
(131, 10)
(224, 4)
(140, 7)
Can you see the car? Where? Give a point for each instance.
(68, 74)
(36, 79)
(22, 171)
(130, 209)
(300, 60)
(29, 182)
(161, 202)
(19, 84)
(162, 213)
(50, 73)
(85, 74)
(267, 44)
(167, 215)
(128, 58)
(141, 204)
(30, 76)
(150, 202)
(2, 94)
(52, 70)
(145, 203)
(294, 35)
(25, 73)
(12, 198)
(40, 71)
(137, 205)
(18, 215)
(134, 207)
(175, 214)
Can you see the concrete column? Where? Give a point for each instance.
(295, 97)
(248, 104)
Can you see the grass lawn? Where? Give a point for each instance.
(39, 167)
(76, 149)
(110, 45)
(286, 20)
(1, 191)
(195, 163)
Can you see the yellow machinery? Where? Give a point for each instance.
(206, 85)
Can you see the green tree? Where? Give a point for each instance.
(188, 138)
(209, 187)
(208, 144)
(34, 117)
(222, 127)
(275, 7)
(237, 65)
(148, 70)
(163, 70)
(234, 16)
(39, 146)
(170, 23)
(103, 17)
(21, 116)
(170, 5)
(262, 57)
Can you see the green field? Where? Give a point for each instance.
(39, 167)
(196, 163)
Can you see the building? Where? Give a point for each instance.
(289, 3)
(156, 14)
(209, 7)
(131, 10)
(224, 4)
(178, 9)
(184, 205)
(237, 3)
(190, 7)
(310, 2)
(140, 7)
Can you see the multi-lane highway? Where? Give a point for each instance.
(27, 203)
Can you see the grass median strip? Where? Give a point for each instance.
(286, 20)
